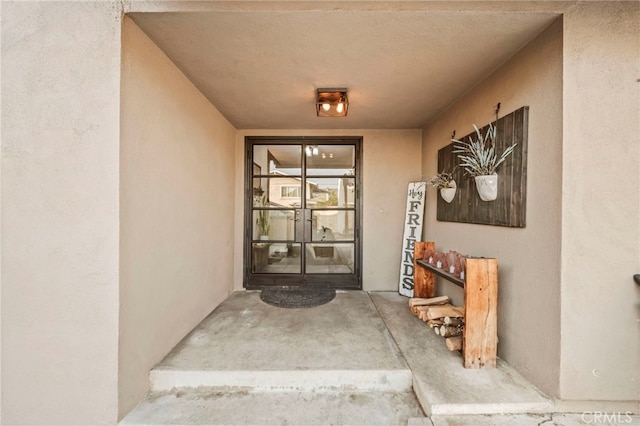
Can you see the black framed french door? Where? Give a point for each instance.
(303, 212)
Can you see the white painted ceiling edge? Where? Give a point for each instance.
(260, 63)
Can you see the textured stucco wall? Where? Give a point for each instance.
(529, 258)
(601, 202)
(176, 210)
(390, 160)
(60, 120)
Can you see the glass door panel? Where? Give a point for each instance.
(274, 225)
(330, 192)
(332, 225)
(278, 192)
(278, 159)
(329, 258)
(275, 258)
(337, 160)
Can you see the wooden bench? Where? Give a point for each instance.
(480, 284)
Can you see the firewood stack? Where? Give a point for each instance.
(445, 319)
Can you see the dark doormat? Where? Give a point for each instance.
(307, 297)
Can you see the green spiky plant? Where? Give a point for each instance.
(479, 157)
(263, 220)
(442, 180)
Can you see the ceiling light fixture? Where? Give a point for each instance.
(312, 150)
(332, 102)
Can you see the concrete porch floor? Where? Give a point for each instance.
(362, 359)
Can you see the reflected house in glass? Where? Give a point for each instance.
(321, 195)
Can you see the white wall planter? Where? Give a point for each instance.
(448, 194)
(487, 187)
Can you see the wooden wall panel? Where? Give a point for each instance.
(509, 209)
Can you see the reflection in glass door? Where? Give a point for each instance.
(303, 212)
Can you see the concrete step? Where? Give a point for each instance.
(245, 342)
(441, 384)
(235, 406)
(302, 380)
(251, 363)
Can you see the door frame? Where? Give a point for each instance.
(337, 281)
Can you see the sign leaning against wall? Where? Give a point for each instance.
(416, 195)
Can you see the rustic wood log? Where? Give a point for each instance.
(430, 323)
(453, 321)
(418, 301)
(449, 331)
(437, 312)
(436, 330)
(454, 343)
(424, 282)
(420, 309)
(434, 323)
(479, 348)
(421, 312)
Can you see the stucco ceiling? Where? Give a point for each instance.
(261, 68)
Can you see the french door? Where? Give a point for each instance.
(302, 212)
